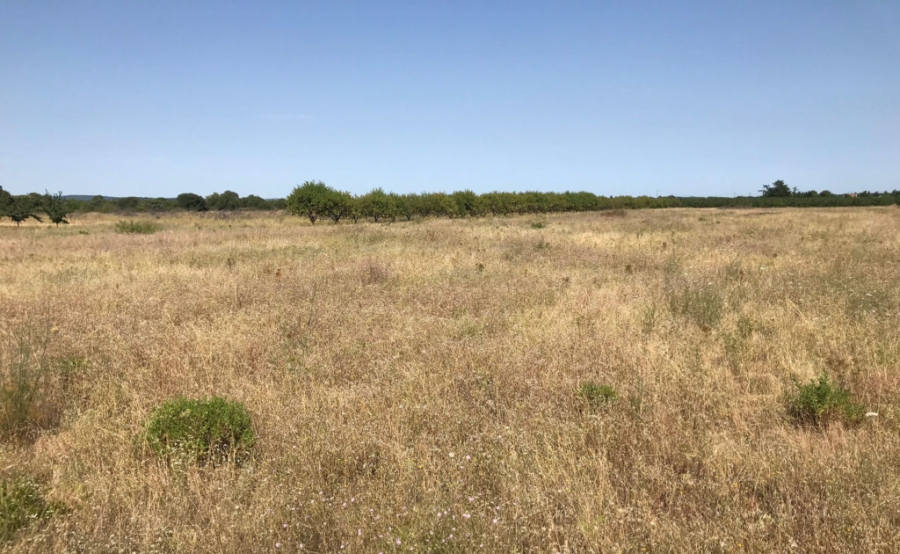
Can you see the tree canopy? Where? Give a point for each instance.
(777, 189)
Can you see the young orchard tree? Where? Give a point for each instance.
(376, 204)
(22, 208)
(341, 203)
(312, 199)
(56, 207)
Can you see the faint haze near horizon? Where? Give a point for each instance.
(656, 98)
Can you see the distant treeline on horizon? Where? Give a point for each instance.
(378, 204)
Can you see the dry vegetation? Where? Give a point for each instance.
(414, 386)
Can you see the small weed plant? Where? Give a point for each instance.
(27, 403)
(597, 395)
(821, 401)
(131, 227)
(701, 304)
(201, 431)
(22, 504)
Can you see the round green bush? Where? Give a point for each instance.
(21, 504)
(201, 431)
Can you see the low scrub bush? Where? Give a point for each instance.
(597, 395)
(819, 402)
(21, 504)
(200, 431)
(131, 227)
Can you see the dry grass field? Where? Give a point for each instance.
(415, 386)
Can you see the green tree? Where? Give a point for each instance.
(253, 202)
(340, 205)
(228, 200)
(191, 202)
(777, 189)
(312, 199)
(376, 204)
(21, 208)
(128, 204)
(56, 207)
(5, 201)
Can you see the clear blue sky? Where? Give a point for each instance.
(672, 97)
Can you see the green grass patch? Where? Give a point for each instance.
(200, 431)
(133, 227)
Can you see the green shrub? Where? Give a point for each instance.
(597, 395)
(200, 431)
(819, 402)
(538, 225)
(21, 504)
(131, 227)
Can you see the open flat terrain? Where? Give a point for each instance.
(415, 386)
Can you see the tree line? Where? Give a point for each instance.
(317, 201)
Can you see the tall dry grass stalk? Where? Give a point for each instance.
(415, 385)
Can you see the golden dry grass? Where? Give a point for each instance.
(413, 385)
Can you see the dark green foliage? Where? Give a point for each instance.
(819, 402)
(253, 202)
(56, 207)
(131, 227)
(228, 200)
(128, 204)
(315, 200)
(22, 504)
(378, 205)
(777, 189)
(99, 204)
(597, 395)
(201, 431)
(22, 208)
(191, 202)
(5, 201)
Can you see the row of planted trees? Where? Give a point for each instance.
(316, 201)
(33, 206)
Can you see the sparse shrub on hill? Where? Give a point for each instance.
(821, 401)
(200, 431)
(22, 504)
(131, 227)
